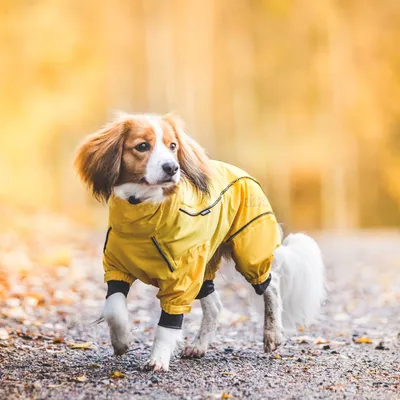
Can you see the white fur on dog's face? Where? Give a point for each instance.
(160, 155)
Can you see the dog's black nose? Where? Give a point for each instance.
(170, 168)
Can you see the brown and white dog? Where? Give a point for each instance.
(145, 157)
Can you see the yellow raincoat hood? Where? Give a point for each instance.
(170, 245)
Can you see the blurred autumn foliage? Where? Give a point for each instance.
(305, 95)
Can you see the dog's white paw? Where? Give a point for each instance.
(120, 340)
(155, 364)
(164, 345)
(272, 340)
(196, 350)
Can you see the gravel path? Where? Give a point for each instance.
(48, 303)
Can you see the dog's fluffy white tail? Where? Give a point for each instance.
(302, 279)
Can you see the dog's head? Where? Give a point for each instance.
(152, 151)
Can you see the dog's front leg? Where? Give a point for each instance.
(273, 328)
(168, 336)
(115, 312)
(164, 345)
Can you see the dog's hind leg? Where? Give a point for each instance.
(211, 306)
(273, 328)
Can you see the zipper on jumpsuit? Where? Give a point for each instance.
(163, 255)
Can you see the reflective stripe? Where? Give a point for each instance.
(246, 225)
(207, 210)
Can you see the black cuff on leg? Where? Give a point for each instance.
(172, 321)
(262, 287)
(206, 289)
(117, 287)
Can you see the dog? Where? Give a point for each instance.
(174, 215)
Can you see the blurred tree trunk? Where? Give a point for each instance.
(340, 209)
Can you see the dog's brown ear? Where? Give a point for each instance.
(98, 159)
(192, 158)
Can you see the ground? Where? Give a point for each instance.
(51, 290)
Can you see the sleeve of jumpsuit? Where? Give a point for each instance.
(112, 273)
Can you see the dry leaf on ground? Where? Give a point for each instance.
(117, 375)
(321, 340)
(81, 378)
(363, 339)
(84, 345)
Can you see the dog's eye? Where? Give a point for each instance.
(172, 146)
(142, 147)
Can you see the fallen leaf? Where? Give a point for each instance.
(227, 373)
(81, 378)
(117, 375)
(277, 356)
(302, 339)
(363, 339)
(3, 334)
(321, 340)
(226, 396)
(95, 365)
(301, 328)
(58, 340)
(84, 345)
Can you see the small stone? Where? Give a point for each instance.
(37, 385)
(154, 379)
(326, 347)
(380, 346)
(228, 349)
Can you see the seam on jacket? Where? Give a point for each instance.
(246, 225)
(163, 255)
(106, 241)
(206, 210)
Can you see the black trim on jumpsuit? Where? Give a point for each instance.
(163, 255)
(106, 241)
(260, 288)
(117, 287)
(206, 288)
(172, 321)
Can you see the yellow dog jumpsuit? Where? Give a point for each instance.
(170, 245)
